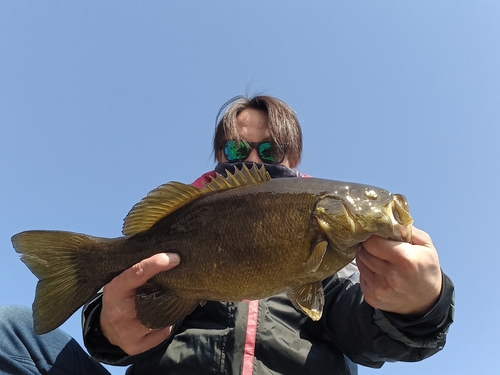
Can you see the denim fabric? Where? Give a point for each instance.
(24, 352)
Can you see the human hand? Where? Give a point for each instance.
(118, 318)
(400, 277)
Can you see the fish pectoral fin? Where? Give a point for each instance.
(316, 257)
(309, 299)
(158, 307)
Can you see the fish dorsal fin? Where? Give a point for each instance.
(157, 204)
(169, 197)
(241, 177)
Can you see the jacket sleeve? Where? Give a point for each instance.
(370, 336)
(96, 343)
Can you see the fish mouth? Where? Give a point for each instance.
(401, 219)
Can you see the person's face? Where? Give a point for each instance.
(252, 127)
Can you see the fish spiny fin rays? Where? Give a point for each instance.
(169, 197)
(316, 257)
(157, 204)
(241, 177)
(309, 299)
(62, 288)
(158, 308)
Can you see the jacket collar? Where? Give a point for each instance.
(275, 171)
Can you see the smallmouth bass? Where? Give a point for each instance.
(241, 237)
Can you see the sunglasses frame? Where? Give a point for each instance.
(254, 145)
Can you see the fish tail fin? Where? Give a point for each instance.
(58, 260)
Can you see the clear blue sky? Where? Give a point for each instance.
(101, 102)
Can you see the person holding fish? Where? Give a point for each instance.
(252, 269)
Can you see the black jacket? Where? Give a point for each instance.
(212, 339)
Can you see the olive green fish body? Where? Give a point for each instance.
(236, 245)
(243, 236)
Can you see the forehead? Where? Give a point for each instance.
(252, 125)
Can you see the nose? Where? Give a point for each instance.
(253, 157)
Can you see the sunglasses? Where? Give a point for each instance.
(268, 152)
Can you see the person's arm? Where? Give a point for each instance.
(112, 332)
(369, 335)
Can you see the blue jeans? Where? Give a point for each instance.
(54, 353)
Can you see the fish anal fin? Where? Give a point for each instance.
(317, 255)
(241, 177)
(158, 307)
(159, 202)
(309, 299)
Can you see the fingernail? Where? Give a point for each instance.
(174, 259)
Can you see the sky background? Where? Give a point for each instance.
(100, 102)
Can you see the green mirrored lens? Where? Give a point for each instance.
(236, 150)
(266, 152)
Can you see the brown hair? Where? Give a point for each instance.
(283, 124)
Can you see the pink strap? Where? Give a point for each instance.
(249, 350)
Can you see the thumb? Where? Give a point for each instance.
(419, 237)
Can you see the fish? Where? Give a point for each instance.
(243, 236)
